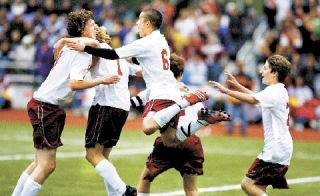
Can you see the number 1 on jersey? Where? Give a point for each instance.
(119, 69)
(165, 60)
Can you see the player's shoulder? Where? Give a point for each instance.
(105, 45)
(68, 51)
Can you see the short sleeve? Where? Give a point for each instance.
(80, 66)
(133, 69)
(266, 97)
(134, 49)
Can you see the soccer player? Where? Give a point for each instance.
(272, 163)
(108, 113)
(152, 53)
(46, 117)
(187, 158)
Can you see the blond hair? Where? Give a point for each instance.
(102, 35)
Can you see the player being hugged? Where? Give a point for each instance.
(47, 118)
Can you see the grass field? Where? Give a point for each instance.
(226, 161)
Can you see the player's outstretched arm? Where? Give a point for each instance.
(233, 82)
(84, 84)
(245, 97)
(99, 52)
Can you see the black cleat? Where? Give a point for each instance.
(212, 117)
(130, 191)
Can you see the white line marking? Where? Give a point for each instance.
(235, 187)
(146, 150)
(74, 154)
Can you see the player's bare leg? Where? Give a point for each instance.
(99, 158)
(95, 155)
(149, 125)
(162, 117)
(46, 164)
(106, 153)
(144, 184)
(24, 177)
(169, 138)
(250, 188)
(190, 184)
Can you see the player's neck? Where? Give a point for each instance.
(274, 82)
(149, 31)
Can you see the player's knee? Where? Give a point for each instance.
(48, 166)
(244, 185)
(191, 192)
(148, 129)
(89, 156)
(149, 126)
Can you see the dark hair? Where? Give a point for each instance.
(177, 65)
(77, 21)
(281, 65)
(154, 17)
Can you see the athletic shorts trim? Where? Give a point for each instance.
(48, 122)
(265, 173)
(105, 124)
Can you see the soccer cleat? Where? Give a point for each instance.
(212, 117)
(196, 96)
(130, 191)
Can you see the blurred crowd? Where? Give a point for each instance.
(209, 34)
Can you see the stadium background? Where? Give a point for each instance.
(208, 48)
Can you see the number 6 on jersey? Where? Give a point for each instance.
(165, 60)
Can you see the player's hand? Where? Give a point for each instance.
(231, 80)
(110, 79)
(77, 45)
(183, 87)
(221, 88)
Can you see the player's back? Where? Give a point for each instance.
(153, 54)
(55, 89)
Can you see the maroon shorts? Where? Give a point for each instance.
(157, 105)
(265, 174)
(104, 125)
(187, 158)
(47, 121)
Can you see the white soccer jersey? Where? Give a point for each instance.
(70, 65)
(153, 54)
(114, 95)
(278, 144)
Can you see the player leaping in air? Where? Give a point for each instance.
(152, 53)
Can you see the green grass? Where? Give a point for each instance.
(226, 162)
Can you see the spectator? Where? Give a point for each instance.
(300, 92)
(18, 7)
(237, 109)
(270, 10)
(4, 50)
(310, 71)
(25, 53)
(185, 23)
(5, 102)
(195, 65)
(44, 60)
(5, 4)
